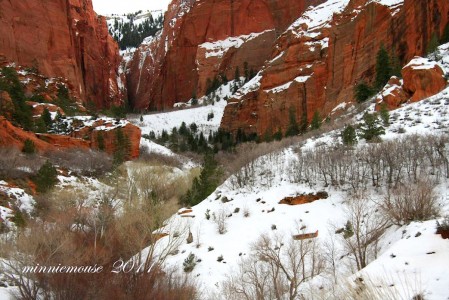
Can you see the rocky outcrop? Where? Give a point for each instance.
(195, 45)
(324, 54)
(392, 95)
(85, 137)
(422, 78)
(63, 38)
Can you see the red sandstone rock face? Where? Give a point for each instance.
(315, 69)
(63, 38)
(85, 138)
(173, 67)
(392, 95)
(423, 79)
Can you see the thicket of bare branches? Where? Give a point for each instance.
(15, 164)
(111, 232)
(366, 225)
(387, 164)
(414, 202)
(82, 162)
(277, 269)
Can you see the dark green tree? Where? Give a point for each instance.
(362, 92)
(316, 121)
(293, 128)
(278, 135)
(100, 140)
(206, 183)
(46, 177)
(122, 147)
(193, 127)
(384, 115)
(29, 147)
(349, 136)
(237, 74)
(383, 68)
(371, 127)
(46, 118)
(246, 71)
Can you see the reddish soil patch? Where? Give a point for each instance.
(304, 198)
(186, 211)
(305, 236)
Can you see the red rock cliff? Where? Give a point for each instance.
(63, 38)
(176, 64)
(319, 59)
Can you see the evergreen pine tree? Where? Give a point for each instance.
(206, 183)
(383, 68)
(237, 74)
(193, 127)
(371, 128)
(348, 136)
(46, 118)
(362, 92)
(316, 121)
(29, 147)
(278, 135)
(46, 177)
(384, 115)
(100, 140)
(122, 147)
(246, 71)
(293, 128)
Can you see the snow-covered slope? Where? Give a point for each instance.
(200, 115)
(412, 259)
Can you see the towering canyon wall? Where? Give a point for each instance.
(324, 54)
(202, 39)
(63, 38)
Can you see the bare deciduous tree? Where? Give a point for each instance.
(412, 202)
(277, 269)
(368, 226)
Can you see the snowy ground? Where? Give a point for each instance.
(412, 258)
(197, 114)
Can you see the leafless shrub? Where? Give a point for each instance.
(363, 231)
(412, 202)
(16, 165)
(105, 238)
(82, 162)
(276, 271)
(220, 220)
(159, 159)
(368, 288)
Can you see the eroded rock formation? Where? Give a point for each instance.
(321, 57)
(63, 38)
(202, 39)
(87, 136)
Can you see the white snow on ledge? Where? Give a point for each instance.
(218, 48)
(419, 63)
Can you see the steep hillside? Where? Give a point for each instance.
(305, 194)
(202, 40)
(64, 39)
(322, 56)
